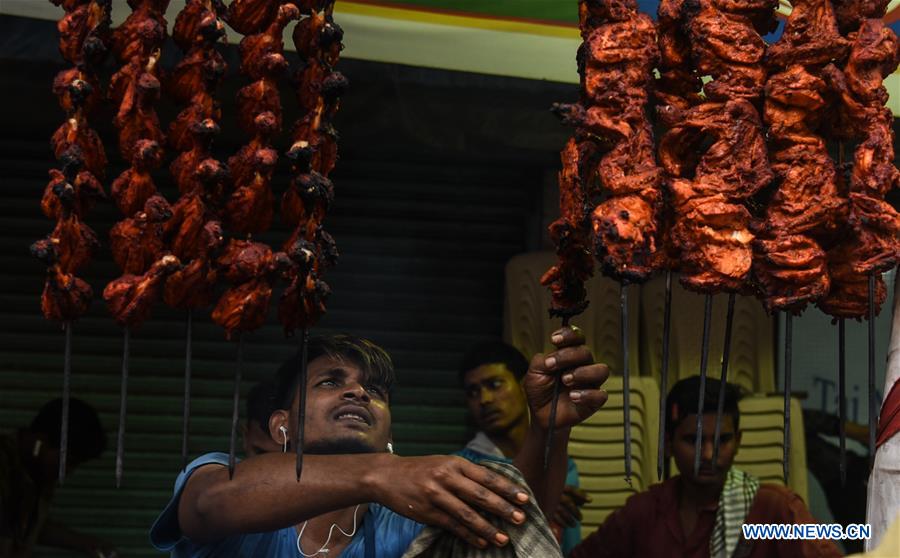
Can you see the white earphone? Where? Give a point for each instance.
(284, 435)
(390, 447)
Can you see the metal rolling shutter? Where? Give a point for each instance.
(423, 238)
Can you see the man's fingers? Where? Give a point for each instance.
(470, 521)
(567, 337)
(593, 399)
(586, 377)
(496, 483)
(567, 358)
(448, 523)
(483, 498)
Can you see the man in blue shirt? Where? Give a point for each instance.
(490, 374)
(355, 499)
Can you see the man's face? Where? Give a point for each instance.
(681, 448)
(495, 398)
(345, 413)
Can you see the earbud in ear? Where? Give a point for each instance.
(283, 430)
(390, 447)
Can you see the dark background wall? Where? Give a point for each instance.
(440, 181)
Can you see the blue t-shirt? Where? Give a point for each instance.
(571, 535)
(393, 532)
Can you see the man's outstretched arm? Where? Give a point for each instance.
(264, 494)
(579, 398)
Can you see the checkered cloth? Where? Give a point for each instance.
(532, 539)
(734, 504)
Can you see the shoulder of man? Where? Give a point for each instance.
(775, 501)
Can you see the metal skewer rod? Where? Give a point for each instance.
(123, 402)
(704, 360)
(67, 389)
(186, 421)
(236, 405)
(842, 398)
(788, 350)
(301, 400)
(873, 400)
(726, 354)
(557, 384)
(626, 385)
(664, 378)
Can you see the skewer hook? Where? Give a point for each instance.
(186, 420)
(664, 380)
(726, 355)
(235, 409)
(123, 401)
(301, 400)
(64, 427)
(704, 360)
(788, 350)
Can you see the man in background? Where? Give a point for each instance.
(29, 469)
(491, 375)
(700, 515)
(255, 431)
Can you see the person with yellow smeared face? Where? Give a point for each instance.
(490, 374)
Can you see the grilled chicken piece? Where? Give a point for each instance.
(143, 31)
(65, 297)
(75, 132)
(255, 49)
(75, 242)
(84, 32)
(244, 163)
(256, 98)
(198, 22)
(135, 185)
(193, 286)
(137, 118)
(569, 234)
(318, 37)
(201, 106)
(851, 13)
(185, 167)
(244, 307)
(137, 242)
(625, 237)
(849, 294)
(131, 297)
(86, 188)
(791, 270)
(76, 90)
(810, 37)
(251, 16)
(201, 67)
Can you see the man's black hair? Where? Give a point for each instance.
(683, 400)
(87, 439)
(261, 403)
(374, 361)
(494, 352)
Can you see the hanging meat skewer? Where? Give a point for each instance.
(305, 204)
(806, 208)
(137, 242)
(870, 242)
(84, 37)
(248, 207)
(195, 233)
(675, 91)
(611, 156)
(709, 192)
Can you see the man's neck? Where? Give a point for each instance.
(698, 496)
(511, 441)
(315, 534)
